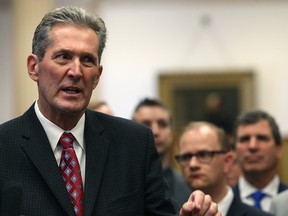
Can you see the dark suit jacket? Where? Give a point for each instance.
(236, 191)
(123, 170)
(238, 208)
(178, 188)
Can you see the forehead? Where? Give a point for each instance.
(198, 139)
(151, 113)
(68, 36)
(260, 127)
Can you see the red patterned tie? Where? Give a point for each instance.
(71, 173)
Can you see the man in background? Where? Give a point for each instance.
(205, 158)
(154, 114)
(101, 106)
(258, 148)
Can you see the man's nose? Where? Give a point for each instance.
(253, 143)
(193, 162)
(75, 68)
(155, 129)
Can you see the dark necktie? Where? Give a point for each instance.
(71, 173)
(258, 196)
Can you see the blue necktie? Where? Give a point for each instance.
(258, 196)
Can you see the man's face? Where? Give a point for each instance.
(206, 176)
(158, 119)
(256, 149)
(69, 71)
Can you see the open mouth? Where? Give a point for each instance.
(71, 90)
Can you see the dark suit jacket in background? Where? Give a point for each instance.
(238, 208)
(178, 188)
(123, 171)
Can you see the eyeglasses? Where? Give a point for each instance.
(202, 157)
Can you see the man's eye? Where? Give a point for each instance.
(163, 123)
(244, 139)
(147, 123)
(263, 138)
(63, 56)
(203, 154)
(88, 61)
(186, 157)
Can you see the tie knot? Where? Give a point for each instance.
(66, 140)
(258, 196)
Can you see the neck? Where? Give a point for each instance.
(217, 193)
(164, 160)
(259, 180)
(66, 120)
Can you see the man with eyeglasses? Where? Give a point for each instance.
(205, 158)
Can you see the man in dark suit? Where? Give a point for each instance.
(73, 161)
(155, 115)
(205, 158)
(258, 145)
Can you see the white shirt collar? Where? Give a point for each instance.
(54, 132)
(246, 189)
(226, 202)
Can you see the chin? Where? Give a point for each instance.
(72, 109)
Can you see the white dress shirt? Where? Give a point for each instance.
(226, 202)
(54, 133)
(246, 189)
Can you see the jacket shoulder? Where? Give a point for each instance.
(239, 208)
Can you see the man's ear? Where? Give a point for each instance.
(100, 69)
(229, 160)
(33, 67)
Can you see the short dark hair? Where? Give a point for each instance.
(151, 103)
(254, 116)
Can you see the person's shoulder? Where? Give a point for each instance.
(281, 196)
(239, 208)
(278, 204)
(114, 122)
(282, 187)
(12, 123)
(178, 177)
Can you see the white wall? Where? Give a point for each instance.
(145, 39)
(148, 38)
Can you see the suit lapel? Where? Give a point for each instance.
(236, 191)
(37, 148)
(96, 155)
(282, 187)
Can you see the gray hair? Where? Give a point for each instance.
(67, 15)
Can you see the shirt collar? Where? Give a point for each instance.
(226, 202)
(246, 189)
(54, 132)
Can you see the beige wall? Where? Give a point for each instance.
(283, 165)
(26, 15)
